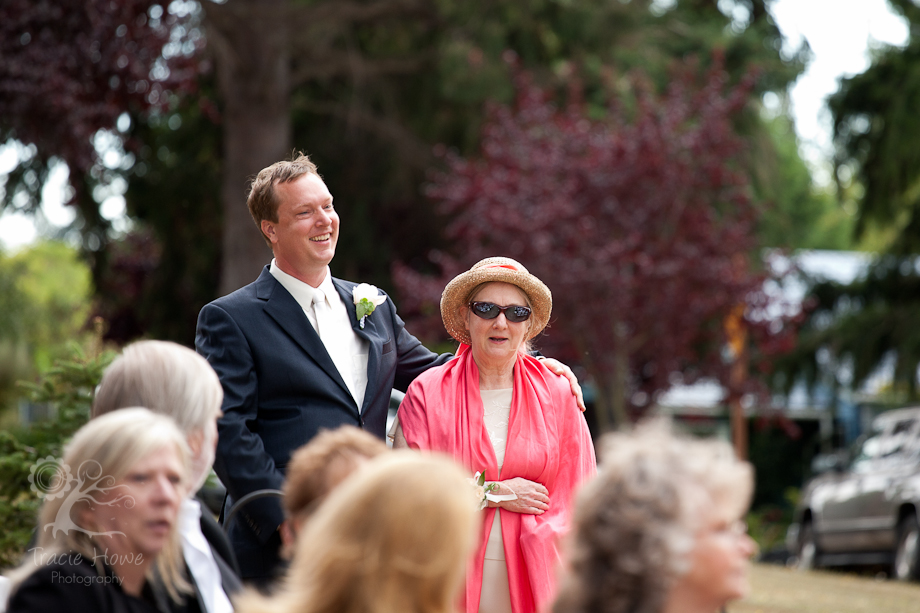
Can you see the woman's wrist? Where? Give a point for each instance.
(499, 493)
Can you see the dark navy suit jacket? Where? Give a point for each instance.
(281, 387)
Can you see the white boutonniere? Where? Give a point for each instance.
(367, 299)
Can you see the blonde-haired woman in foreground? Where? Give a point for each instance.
(393, 538)
(660, 529)
(109, 520)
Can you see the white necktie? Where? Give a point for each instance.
(329, 332)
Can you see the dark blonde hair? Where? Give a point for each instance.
(317, 467)
(394, 538)
(636, 521)
(262, 202)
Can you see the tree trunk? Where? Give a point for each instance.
(249, 39)
(620, 383)
(602, 406)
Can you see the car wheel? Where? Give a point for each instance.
(808, 548)
(905, 554)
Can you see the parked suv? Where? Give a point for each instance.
(863, 509)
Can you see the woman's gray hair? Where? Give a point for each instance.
(636, 521)
(165, 377)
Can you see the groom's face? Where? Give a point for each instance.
(305, 235)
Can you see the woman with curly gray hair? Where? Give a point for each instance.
(660, 529)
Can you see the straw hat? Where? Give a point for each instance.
(503, 270)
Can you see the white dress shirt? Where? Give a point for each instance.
(200, 560)
(349, 352)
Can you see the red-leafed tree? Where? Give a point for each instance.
(640, 223)
(70, 68)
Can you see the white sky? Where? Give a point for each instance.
(841, 34)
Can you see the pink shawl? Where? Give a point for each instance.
(548, 442)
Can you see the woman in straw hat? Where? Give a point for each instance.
(498, 411)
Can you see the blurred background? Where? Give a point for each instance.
(723, 196)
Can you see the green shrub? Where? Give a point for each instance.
(767, 524)
(67, 387)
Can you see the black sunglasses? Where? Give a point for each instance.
(489, 310)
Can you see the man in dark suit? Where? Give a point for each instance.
(293, 356)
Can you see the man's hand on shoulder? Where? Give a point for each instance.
(564, 371)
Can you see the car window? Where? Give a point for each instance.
(898, 441)
(912, 444)
(867, 451)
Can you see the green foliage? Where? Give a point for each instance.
(859, 325)
(856, 327)
(13, 308)
(768, 524)
(166, 274)
(796, 213)
(67, 388)
(54, 284)
(44, 300)
(748, 37)
(876, 126)
(364, 308)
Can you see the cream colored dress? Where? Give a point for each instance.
(496, 596)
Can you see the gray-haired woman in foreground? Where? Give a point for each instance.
(660, 529)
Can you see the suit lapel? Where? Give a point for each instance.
(368, 333)
(287, 313)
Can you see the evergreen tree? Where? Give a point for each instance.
(853, 328)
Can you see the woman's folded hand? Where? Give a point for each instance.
(532, 498)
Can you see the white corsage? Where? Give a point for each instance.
(484, 491)
(367, 298)
(481, 489)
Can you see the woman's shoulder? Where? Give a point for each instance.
(555, 383)
(433, 393)
(68, 564)
(64, 578)
(559, 388)
(70, 581)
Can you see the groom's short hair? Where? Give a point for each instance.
(262, 203)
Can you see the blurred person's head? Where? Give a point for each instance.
(660, 528)
(172, 380)
(393, 538)
(319, 467)
(115, 495)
